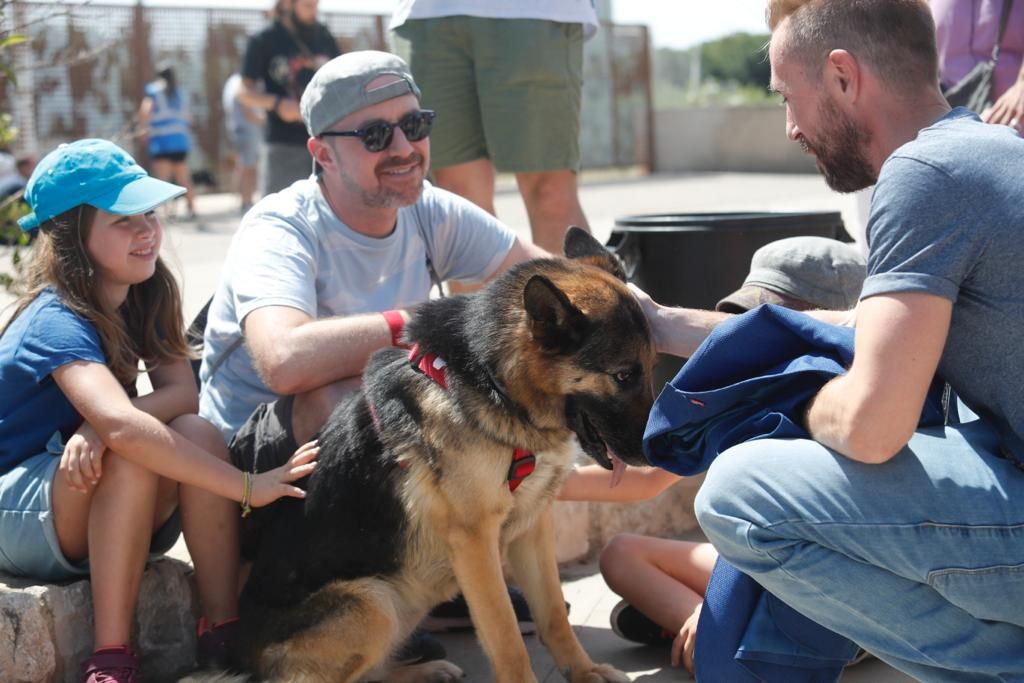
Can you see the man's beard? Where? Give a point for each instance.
(839, 154)
(306, 30)
(383, 197)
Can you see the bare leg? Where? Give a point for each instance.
(663, 578)
(121, 522)
(473, 180)
(210, 525)
(164, 170)
(247, 176)
(182, 177)
(552, 203)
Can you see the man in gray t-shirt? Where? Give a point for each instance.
(908, 541)
(322, 274)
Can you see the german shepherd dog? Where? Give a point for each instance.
(419, 491)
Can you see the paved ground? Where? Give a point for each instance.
(198, 250)
(592, 603)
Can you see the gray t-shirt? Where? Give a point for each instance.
(292, 250)
(947, 218)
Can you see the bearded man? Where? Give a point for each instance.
(321, 274)
(907, 540)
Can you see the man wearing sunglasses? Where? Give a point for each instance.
(313, 267)
(322, 274)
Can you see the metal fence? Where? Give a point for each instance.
(83, 72)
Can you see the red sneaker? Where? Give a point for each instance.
(111, 665)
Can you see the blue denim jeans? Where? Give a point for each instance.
(919, 560)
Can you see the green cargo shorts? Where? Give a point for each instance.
(504, 89)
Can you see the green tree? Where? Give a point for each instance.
(738, 58)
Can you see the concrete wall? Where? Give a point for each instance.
(726, 139)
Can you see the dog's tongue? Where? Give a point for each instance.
(618, 469)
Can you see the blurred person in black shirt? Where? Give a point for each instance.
(279, 61)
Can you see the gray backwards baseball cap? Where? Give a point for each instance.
(802, 273)
(340, 87)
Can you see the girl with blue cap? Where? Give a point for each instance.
(93, 477)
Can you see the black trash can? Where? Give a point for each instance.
(694, 260)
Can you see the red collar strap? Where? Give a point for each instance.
(523, 464)
(428, 364)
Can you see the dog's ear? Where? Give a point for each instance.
(580, 244)
(555, 323)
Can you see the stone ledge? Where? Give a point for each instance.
(46, 630)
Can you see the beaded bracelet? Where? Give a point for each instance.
(246, 494)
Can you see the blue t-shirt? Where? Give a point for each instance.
(44, 337)
(947, 218)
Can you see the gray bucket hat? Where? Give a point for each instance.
(802, 273)
(340, 87)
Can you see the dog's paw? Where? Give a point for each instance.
(436, 671)
(599, 673)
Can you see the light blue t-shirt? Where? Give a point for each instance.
(947, 218)
(292, 250)
(45, 336)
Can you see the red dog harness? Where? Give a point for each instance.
(523, 461)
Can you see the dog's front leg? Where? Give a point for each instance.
(533, 561)
(476, 559)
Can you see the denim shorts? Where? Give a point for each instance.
(245, 140)
(28, 537)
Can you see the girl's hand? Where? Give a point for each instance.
(269, 486)
(684, 643)
(82, 460)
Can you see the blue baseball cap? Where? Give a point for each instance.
(95, 172)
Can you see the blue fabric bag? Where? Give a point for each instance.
(749, 380)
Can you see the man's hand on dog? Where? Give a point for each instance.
(276, 483)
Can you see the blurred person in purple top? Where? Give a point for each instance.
(966, 31)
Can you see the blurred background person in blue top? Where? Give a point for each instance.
(166, 119)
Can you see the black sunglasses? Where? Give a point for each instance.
(377, 136)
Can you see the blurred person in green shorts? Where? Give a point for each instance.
(508, 75)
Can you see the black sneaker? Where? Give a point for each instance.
(630, 623)
(214, 646)
(454, 614)
(420, 647)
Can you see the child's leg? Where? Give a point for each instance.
(112, 525)
(210, 525)
(663, 578)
